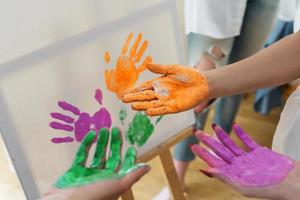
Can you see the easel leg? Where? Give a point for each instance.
(171, 175)
(128, 195)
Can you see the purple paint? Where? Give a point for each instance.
(62, 117)
(98, 96)
(84, 123)
(259, 167)
(69, 107)
(62, 140)
(57, 125)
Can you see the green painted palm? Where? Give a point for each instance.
(101, 168)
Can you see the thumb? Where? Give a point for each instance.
(162, 69)
(134, 176)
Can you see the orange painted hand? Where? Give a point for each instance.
(126, 73)
(179, 89)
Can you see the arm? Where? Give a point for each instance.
(275, 65)
(181, 88)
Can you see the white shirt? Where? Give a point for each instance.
(287, 136)
(214, 18)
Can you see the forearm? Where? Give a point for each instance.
(275, 65)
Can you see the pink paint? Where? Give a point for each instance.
(258, 167)
(84, 123)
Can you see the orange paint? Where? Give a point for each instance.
(107, 57)
(126, 72)
(178, 89)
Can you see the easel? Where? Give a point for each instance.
(163, 151)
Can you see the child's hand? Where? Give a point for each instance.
(105, 178)
(258, 172)
(179, 89)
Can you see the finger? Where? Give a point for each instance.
(129, 160)
(215, 146)
(114, 159)
(82, 152)
(139, 96)
(144, 105)
(126, 44)
(162, 69)
(162, 110)
(100, 152)
(98, 96)
(207, 157)
(141, 51)
(62, 139)
(69, 107)
(135, 45)
(144, 86)
(143, 67)
(62, 117)
(245, 138)
(57, 125)
(227, 141)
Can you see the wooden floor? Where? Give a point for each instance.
(198, 186)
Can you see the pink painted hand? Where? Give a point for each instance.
(254, 173)
(84, 122)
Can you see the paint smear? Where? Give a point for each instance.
(126, 72)
(84, 122)
(140, 129)
(122, 115)
(107, 57)
(158, 119)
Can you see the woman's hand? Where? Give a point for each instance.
(178, 89)
(258, 172)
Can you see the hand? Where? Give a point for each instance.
(84, 122)
(105, 178)
(259, 172)
(179, 89)
(126, 72)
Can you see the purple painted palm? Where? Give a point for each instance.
(84, 122)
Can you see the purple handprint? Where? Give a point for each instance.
(84, 122)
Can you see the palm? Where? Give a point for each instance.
(180, 89)
(100, 168)
(256, 168)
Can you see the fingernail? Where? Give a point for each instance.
(214, 125)
(206, 173)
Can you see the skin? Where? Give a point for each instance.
(140, 129)
(274, 65)
(84, 122)
(126, 72)
(99, 181)
(168, 93)
(257, 172)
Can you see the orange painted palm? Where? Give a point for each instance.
(126, 72)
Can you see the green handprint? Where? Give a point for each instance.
(101, 168)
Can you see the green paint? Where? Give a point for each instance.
(122, 115)
(140, 129)
(79, 174)
(158, 119)
(115, 150)
(129, 160)
(100, 152)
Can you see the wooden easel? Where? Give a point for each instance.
(163, 151)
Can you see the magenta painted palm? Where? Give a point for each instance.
(256, 167)
(79, 122)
